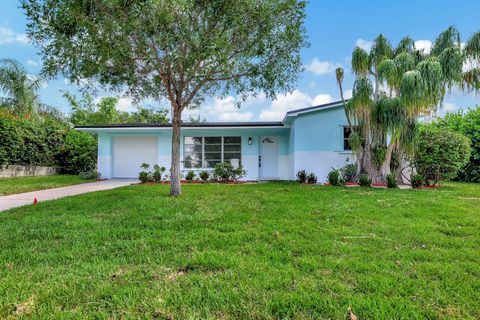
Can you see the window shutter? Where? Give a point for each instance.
(338, 139)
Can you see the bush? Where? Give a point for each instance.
(364, 180)
(189, 176)
(224, 171)
(391, 181)
(302, 176)
(157, 173)
(204, 175)
(311, 178)
(417, 180)
(348, 173)
(89, 175)
(144, 175)
(440, 153)
(79, 152)
(467, 124)
(333, 178)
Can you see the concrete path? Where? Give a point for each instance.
(21, 199)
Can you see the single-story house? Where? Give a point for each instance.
(314, 139)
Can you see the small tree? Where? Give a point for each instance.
(181, 50)
(440, 153)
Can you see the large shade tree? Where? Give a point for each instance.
(395, 86)
(181, 50)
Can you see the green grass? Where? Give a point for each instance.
(273, 250)
(26, 184)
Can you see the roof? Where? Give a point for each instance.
(291, 113)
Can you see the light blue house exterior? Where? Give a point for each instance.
(314, 139)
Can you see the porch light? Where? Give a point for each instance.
(250, 141)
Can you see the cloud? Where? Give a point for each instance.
(319, 67)
(312, 84)
(364, 44)
(8, 36)
(43, 84)
(290, 101)
(450, 107)
(225, 109)
(347, 94)
(423, 45)
(32, 63)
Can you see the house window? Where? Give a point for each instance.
(206, 152)
(346, 138)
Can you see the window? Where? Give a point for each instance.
(206, 152)
(346, 138)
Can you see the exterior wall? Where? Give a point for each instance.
(249, 152)
(11, 171)
(316, 142)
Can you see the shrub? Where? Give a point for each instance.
(364, 180)
(144, 175)
(348, 173)
(157, 173)
(224, 171)
(189, 176)
(79, 152)
(89, 175)
(311, 178)
(302, 176)
(391, 181)
(467, 124)
(333, 178)
(440, 153)
(417, 180)
(204, 175)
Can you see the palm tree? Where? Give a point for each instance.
(407, 83)
(19, 89)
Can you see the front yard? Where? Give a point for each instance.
(26, 184)
(273, 250)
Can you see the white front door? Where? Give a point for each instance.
(130, 152)
(268, 158)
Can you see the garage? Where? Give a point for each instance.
(130, 152)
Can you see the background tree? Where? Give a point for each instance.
(394, 86)
(184, 50)
(18, 88)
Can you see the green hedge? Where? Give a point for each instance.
(46, 142)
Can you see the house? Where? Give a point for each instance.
(314, 139)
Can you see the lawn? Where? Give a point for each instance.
(26, 184)
(265, 251)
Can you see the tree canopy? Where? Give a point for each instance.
(181, 50)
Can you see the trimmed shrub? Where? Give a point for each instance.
(90, 175)
(189, 176)
(440, 153)
(79, 152)
(364, 180)
(348, 173)
(144, 175)
(417, 180)
(302, 176)
(224, 171)
(157, 173)
(204, 175)
(311, 178)
(333, 178)
(391, 181)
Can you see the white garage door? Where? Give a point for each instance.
(130, 152)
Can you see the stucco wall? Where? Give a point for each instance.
(11, 171)
(316, 142)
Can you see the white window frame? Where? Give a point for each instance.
(222, 150)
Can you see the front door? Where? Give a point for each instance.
(268, 158)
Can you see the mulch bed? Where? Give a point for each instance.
(199, 182)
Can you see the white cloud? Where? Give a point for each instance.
(43, 85)
(364, 44)
(347, 94)
(319, 67)
(32, 63)
(450, 107)
(322, 99)
(126, 104)
(8, 36)
(225, 109)
(423, 45)
(290, 101)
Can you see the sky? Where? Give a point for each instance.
(334, 28)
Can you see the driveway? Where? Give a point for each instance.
(21, 199)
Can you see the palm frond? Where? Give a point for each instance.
(360, 62)
(381, 49)
(449, 38)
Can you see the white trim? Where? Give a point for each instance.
(294, 113)
(170, 128)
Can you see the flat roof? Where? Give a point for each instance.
(216, 124)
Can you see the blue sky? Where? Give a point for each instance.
(333, 27)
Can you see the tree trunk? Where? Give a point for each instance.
(388, 158)
(175, 188)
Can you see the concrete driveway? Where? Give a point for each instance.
(21, 199)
